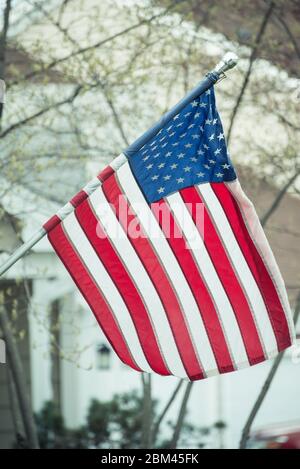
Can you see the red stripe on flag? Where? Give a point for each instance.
(78, 198)
(91, 293)
(121, 278)
(51, 223)
(159, 279)
(228, 279)
(197, 285)
(105, 173)
(256, 265)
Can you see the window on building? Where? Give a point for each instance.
(103, 358)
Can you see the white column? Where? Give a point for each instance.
(70, 373)
(39, 332)
(45, 291)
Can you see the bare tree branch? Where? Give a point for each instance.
(278, 198)
(147, 412)
(160, 418)
(264, 390)
(252, 59)
(3, 41)
(115, 114)
(19, 380)
(97, 44)
(286, 121)
(181, 416)
(43, 111)
(14, 405)
(3, 37)
(280, 19)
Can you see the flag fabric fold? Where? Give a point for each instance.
(169, 254)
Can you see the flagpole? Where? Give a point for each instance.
(228, 61)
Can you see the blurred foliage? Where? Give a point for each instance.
(113, 424)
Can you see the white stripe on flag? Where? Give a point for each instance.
(259, 238)
(241, 268)
(141, 279)
(151, 227)
(226, 314)
(103, 281)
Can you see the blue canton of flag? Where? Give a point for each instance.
(189, 150)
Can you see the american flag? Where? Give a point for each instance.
(174, 292)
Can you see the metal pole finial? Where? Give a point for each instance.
(229, 61)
